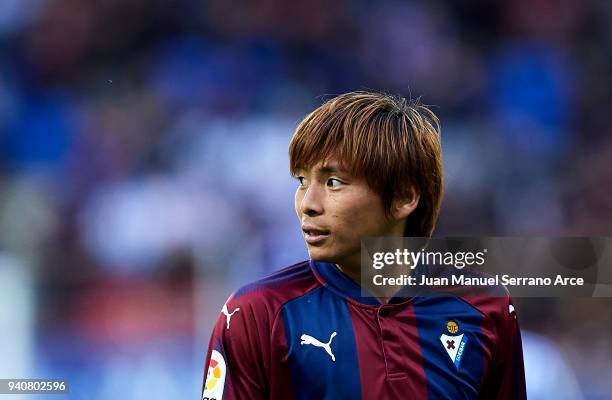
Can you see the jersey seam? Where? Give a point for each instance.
(293, 299)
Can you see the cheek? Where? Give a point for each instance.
(365, 219)
(296, 203)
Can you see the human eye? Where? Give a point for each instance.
(333, 182)
(301, 180)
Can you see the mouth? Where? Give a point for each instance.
(315, 236)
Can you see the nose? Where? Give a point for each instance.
(310, 201)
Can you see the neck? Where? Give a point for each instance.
(384, 293)
(353, 273)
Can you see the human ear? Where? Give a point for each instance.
(403, 206)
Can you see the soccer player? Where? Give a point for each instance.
(367, 165)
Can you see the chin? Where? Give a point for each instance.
(323, 256)
(320, 255)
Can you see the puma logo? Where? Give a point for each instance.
(228, 315)
(511, 310)
(307, 339)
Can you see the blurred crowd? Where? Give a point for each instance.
(144, 168)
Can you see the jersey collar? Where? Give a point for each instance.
(331, 276)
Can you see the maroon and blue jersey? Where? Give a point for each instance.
(306, 332)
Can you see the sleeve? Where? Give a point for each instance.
(506, 379)
(234, 367)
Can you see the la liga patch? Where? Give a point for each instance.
(215, 377)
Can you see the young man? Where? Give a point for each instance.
(367, 165)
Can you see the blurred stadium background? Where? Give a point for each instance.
(143, 165)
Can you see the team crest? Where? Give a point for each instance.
(454, 344)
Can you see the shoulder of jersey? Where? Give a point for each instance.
(493, 301)
(277, 288)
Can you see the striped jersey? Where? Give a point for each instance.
(306, 332)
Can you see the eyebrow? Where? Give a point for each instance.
(328, 169)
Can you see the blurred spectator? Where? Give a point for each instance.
(547, 371)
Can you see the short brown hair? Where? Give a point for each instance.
(391, 142)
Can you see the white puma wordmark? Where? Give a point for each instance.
(228, 315)
(307, 339)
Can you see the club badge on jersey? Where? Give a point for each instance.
(454, 344)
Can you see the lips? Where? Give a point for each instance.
(315, 235)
